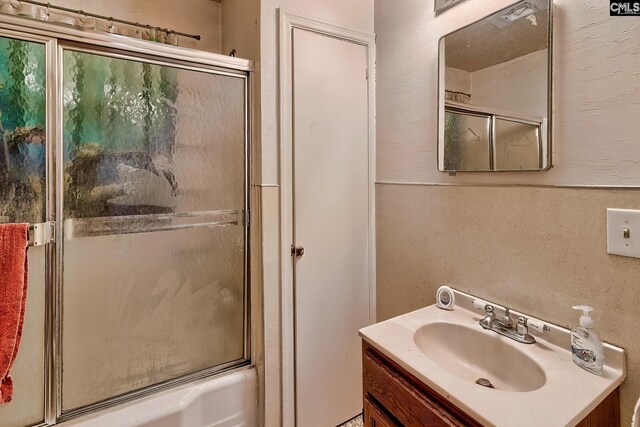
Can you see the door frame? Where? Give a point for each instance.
(287, 23)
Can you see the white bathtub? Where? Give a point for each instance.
(229, 400)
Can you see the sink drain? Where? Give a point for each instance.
(484, 383)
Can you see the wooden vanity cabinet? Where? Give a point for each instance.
(375, 417)
(393, 397)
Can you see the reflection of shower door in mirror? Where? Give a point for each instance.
(154, 237)
(467, 141)
(23, 198)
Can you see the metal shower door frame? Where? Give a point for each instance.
(58, 39)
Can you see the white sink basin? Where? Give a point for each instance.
(472, 353)
(449, 351)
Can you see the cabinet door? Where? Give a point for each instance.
(408, 404)
(375, 417)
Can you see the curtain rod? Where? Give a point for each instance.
(110, 18)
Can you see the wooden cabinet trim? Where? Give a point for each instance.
(375, 417)
(408, 405)
(606, 414)
(407, 387)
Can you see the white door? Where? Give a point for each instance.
(331, 222)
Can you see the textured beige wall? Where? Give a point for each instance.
(189, 16)
(457, 80)
(270, 356)
(539, 250)
(519, 86)
(596, 90)
(240, 28)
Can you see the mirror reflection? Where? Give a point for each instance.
(495, 102)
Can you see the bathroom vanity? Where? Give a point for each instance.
(427, 367)
(394, 397)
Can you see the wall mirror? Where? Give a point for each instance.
(495, 97)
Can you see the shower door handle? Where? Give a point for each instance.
(297, 251)
(41, 233)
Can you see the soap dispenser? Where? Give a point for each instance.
(586, 345)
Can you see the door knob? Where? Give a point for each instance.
(297, 251)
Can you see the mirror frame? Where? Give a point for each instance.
(548, 134)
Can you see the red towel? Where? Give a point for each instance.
(13, 299)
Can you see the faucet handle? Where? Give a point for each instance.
(522, 327)
(489, 317)
(506, 318)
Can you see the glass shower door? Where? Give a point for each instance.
(23, 198)
(154, 254)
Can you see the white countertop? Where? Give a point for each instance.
(569, 394)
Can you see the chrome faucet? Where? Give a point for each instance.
(506, 320)
(504, 325)
(489, 317)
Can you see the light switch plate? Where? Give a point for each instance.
(621, 222)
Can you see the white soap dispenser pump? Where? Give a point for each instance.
(586, 345)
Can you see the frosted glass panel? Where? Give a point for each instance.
(153, 283)
(143, 139)
(22, 199)
(22, 131)
(467, 141)
(141, 309)
(517, 145)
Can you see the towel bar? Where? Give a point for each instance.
(44, 233)
(75, 228)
